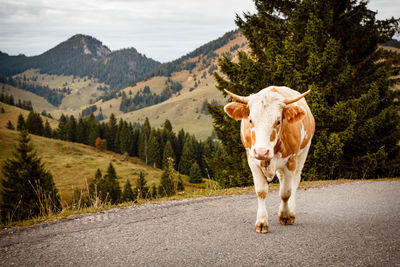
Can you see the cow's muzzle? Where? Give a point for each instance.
(262, 153)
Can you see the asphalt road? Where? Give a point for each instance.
(352, 224)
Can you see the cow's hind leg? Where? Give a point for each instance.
(261, 188)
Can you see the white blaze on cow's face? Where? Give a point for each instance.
(265, 120)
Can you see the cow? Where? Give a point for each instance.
(276, 130)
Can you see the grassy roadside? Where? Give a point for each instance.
(209, 190)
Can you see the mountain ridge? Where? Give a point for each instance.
(83, 55)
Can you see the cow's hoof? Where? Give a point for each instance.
(262, 227)
(286, 220)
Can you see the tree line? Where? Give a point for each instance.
(144, 97)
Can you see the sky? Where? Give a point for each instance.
(161, 29)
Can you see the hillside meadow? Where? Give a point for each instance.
(73, 165)
(83, 90)
(12, 112)
(38, 103)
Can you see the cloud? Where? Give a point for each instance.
(163, 30)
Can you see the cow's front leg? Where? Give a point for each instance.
(285, 191)
(261, 188)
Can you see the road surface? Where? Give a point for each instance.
(351, 224)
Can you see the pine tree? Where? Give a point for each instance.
(21, 123)
(141, 188)
(167, 126)
(178, 146)
(118, 135)
(171, 181)
(71, 129)
(10, 126)
(96, 186)
(188, 155)
(92, 130)
(143, 140)
(166, 187)
(34, 123)
(61, 130)
(134, 142)
(47, 132)
(112, 187)
(128, 194)
(154, 192)
(28, 189)
(167, 154)
(195, 173)
(81, 131)
(111, 132)
(125, 138)
(331, 48)
(154, 150)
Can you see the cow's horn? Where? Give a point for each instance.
(296, 98)
(243, 99)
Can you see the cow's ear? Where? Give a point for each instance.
(237, 111)
(293, 113)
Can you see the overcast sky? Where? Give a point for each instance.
(161, 29)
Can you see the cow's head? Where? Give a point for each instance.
(266, 112)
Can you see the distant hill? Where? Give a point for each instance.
(185, 108)
(83, 55)
(206, 51)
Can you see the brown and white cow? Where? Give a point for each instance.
(276, 130)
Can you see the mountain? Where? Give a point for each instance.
(83, 55)
(189, 84)
(178, 90)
